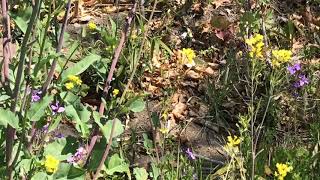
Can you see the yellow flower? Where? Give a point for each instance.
(280, 56)
(92, 26)
(164, 130)
(75, 79)
(282, 170)
(69, 85)
(134, 36)
(115, 92)
(187, 57)
(51, 164)
(232, 142)
(256, 45)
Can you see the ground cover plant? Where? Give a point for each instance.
(195, 89)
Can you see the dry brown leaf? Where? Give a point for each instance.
(197, 8)
(209, 71)
(218, 3)
(179, 110)
(214, 66)
(193, 75)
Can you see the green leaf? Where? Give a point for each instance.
(8, 117)
(55, 124)
(80, 117)
(147, 143)
(39, 175)
(80, 66)
(63, 171)
(137, 106)
(140, 173)
(70, 98)
(4, 97)
(155, 171)
(76, 173)
(21, 23)
(55, 149)
(106, 129)
(117, 164)
(37, 109)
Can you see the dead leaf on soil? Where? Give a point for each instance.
(179, 111)
(193, 75)
(218, 3)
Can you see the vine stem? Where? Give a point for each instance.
(124, 36)
(58, 49)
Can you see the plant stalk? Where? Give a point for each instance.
(16, 92)
(58, 49)
(6, 43)
(124, 35)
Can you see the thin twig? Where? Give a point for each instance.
(58, 49)
(116, 56)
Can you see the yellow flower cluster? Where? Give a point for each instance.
(255, 43)
(233, 141)
(73, 80)
(92, 26)
(280, 56)
(51, 164)
(282, 170)
(115, 92)
(187, 57)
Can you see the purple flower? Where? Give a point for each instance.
(56, 108)
(293, 69)
(78, 156)
(45, 127)
(190, 154)
(35, 97)
(303, 80)
(59, 135)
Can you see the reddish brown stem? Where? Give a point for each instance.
(116, 56)
(6, 43)
(58, 49)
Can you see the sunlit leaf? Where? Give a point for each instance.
(140, 173)
(8, 117)
(137, 106)
(80, 66)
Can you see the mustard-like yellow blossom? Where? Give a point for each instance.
(75, 79)
(256, 45)
(187, 57)
(115, 92)
(164, 130)
(51, 164)
(69, 85)
(233, 141)
(92, 26)
(280, 56)
(282, 170)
